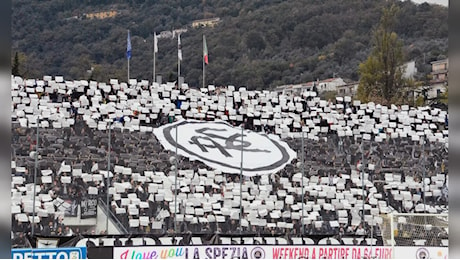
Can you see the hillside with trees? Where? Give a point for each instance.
(258, 43)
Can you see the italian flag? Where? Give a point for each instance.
(205, 51)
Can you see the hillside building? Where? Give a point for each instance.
(439, 80)
(210, 22)
(348, 89)
(101, 15)
(331, 84)
(409, 70)
(439, 70)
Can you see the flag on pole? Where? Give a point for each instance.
(155, 43)
(205, 51)
(179, 50)
(128, 47)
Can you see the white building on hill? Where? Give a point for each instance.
(331, 84)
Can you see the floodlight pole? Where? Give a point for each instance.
(392, 235)
(424, 176)
(362, 176)
(241, 178)
(373, 220)
(107, 179)
(303, 174)
(372, 236)
(175, 187)
(35, 179)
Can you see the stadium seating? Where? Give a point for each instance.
(396, 152)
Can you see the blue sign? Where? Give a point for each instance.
(49, 253)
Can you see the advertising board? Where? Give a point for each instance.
(252, 252)
(417, 252)
(49, 253)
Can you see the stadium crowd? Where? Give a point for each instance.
(391, 150)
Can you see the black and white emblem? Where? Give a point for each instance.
(219, 145)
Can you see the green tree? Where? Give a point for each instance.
(381, 75)
(15, 68)
(51, 38)
(444, 97)
(254, 40)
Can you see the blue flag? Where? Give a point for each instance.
(128, 47)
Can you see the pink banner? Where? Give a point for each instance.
(253, 252)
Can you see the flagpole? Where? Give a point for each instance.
(204, 65)
(154, 51)
(128, 52)
(178, 59)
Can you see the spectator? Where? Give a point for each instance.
(19, 241)
(360, 231)
(84, 146)
(68, 231)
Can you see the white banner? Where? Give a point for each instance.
(218, 144)
(253, 252)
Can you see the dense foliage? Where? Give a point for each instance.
(259, 43)
(381, 75)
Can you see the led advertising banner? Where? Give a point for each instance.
(49, 253)
(253, 252)
(417, 252)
